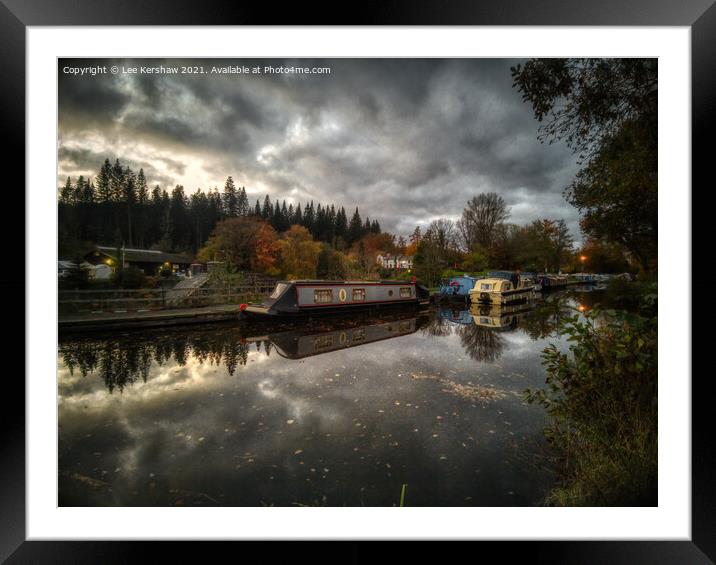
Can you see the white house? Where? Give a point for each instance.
(389, 261)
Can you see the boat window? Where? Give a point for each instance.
(405, 292)
(485, 286)
(358, 294)
(323, 341)
(323, 296)
(280, 287)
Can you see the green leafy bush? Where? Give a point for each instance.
(475, 261)
(602, 401)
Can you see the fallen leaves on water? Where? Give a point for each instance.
(468, 391)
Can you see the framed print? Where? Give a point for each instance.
(308, 275)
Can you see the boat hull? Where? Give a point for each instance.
(261, 312)
(517, 296)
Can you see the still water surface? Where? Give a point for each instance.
(335, 412)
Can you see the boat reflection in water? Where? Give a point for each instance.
(306, 342)
(501, 318)
(496, 317)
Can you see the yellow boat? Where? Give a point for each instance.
(503, 287)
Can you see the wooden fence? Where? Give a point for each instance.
(145, 299)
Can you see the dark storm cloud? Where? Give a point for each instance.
(406, 140)
(95, 101)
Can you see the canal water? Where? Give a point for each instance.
(334, 412)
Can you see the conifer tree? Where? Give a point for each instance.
(242, 202)
(142, 192)
(89, 194)
(355, 228)
(130, 196)
(308, 217)
(276, 218)
(341, 229)
(116, 182)
(67, 193)
(231, 202)
(104, 176)
(79, 191)
(267, 210)
(179, 218)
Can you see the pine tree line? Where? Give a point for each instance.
(118, 207)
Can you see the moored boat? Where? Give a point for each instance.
(456, 288)
(551, 282)
(316, 297)
(583, 278)
(503, 287)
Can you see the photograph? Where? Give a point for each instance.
(357, 282)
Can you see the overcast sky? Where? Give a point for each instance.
(405, 140)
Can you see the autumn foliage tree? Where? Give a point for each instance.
(268, 250)
(234, 241)
(299, 253)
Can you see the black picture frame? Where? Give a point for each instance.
(699, 15)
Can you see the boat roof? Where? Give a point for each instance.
(319, 281)
(501, 274)
(463, 277)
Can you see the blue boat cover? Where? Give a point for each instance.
(457, 286)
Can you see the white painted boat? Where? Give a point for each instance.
(503, 287)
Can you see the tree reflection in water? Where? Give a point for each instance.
(481, 344)
(542, 321)
(437, 326)
(125, 359)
